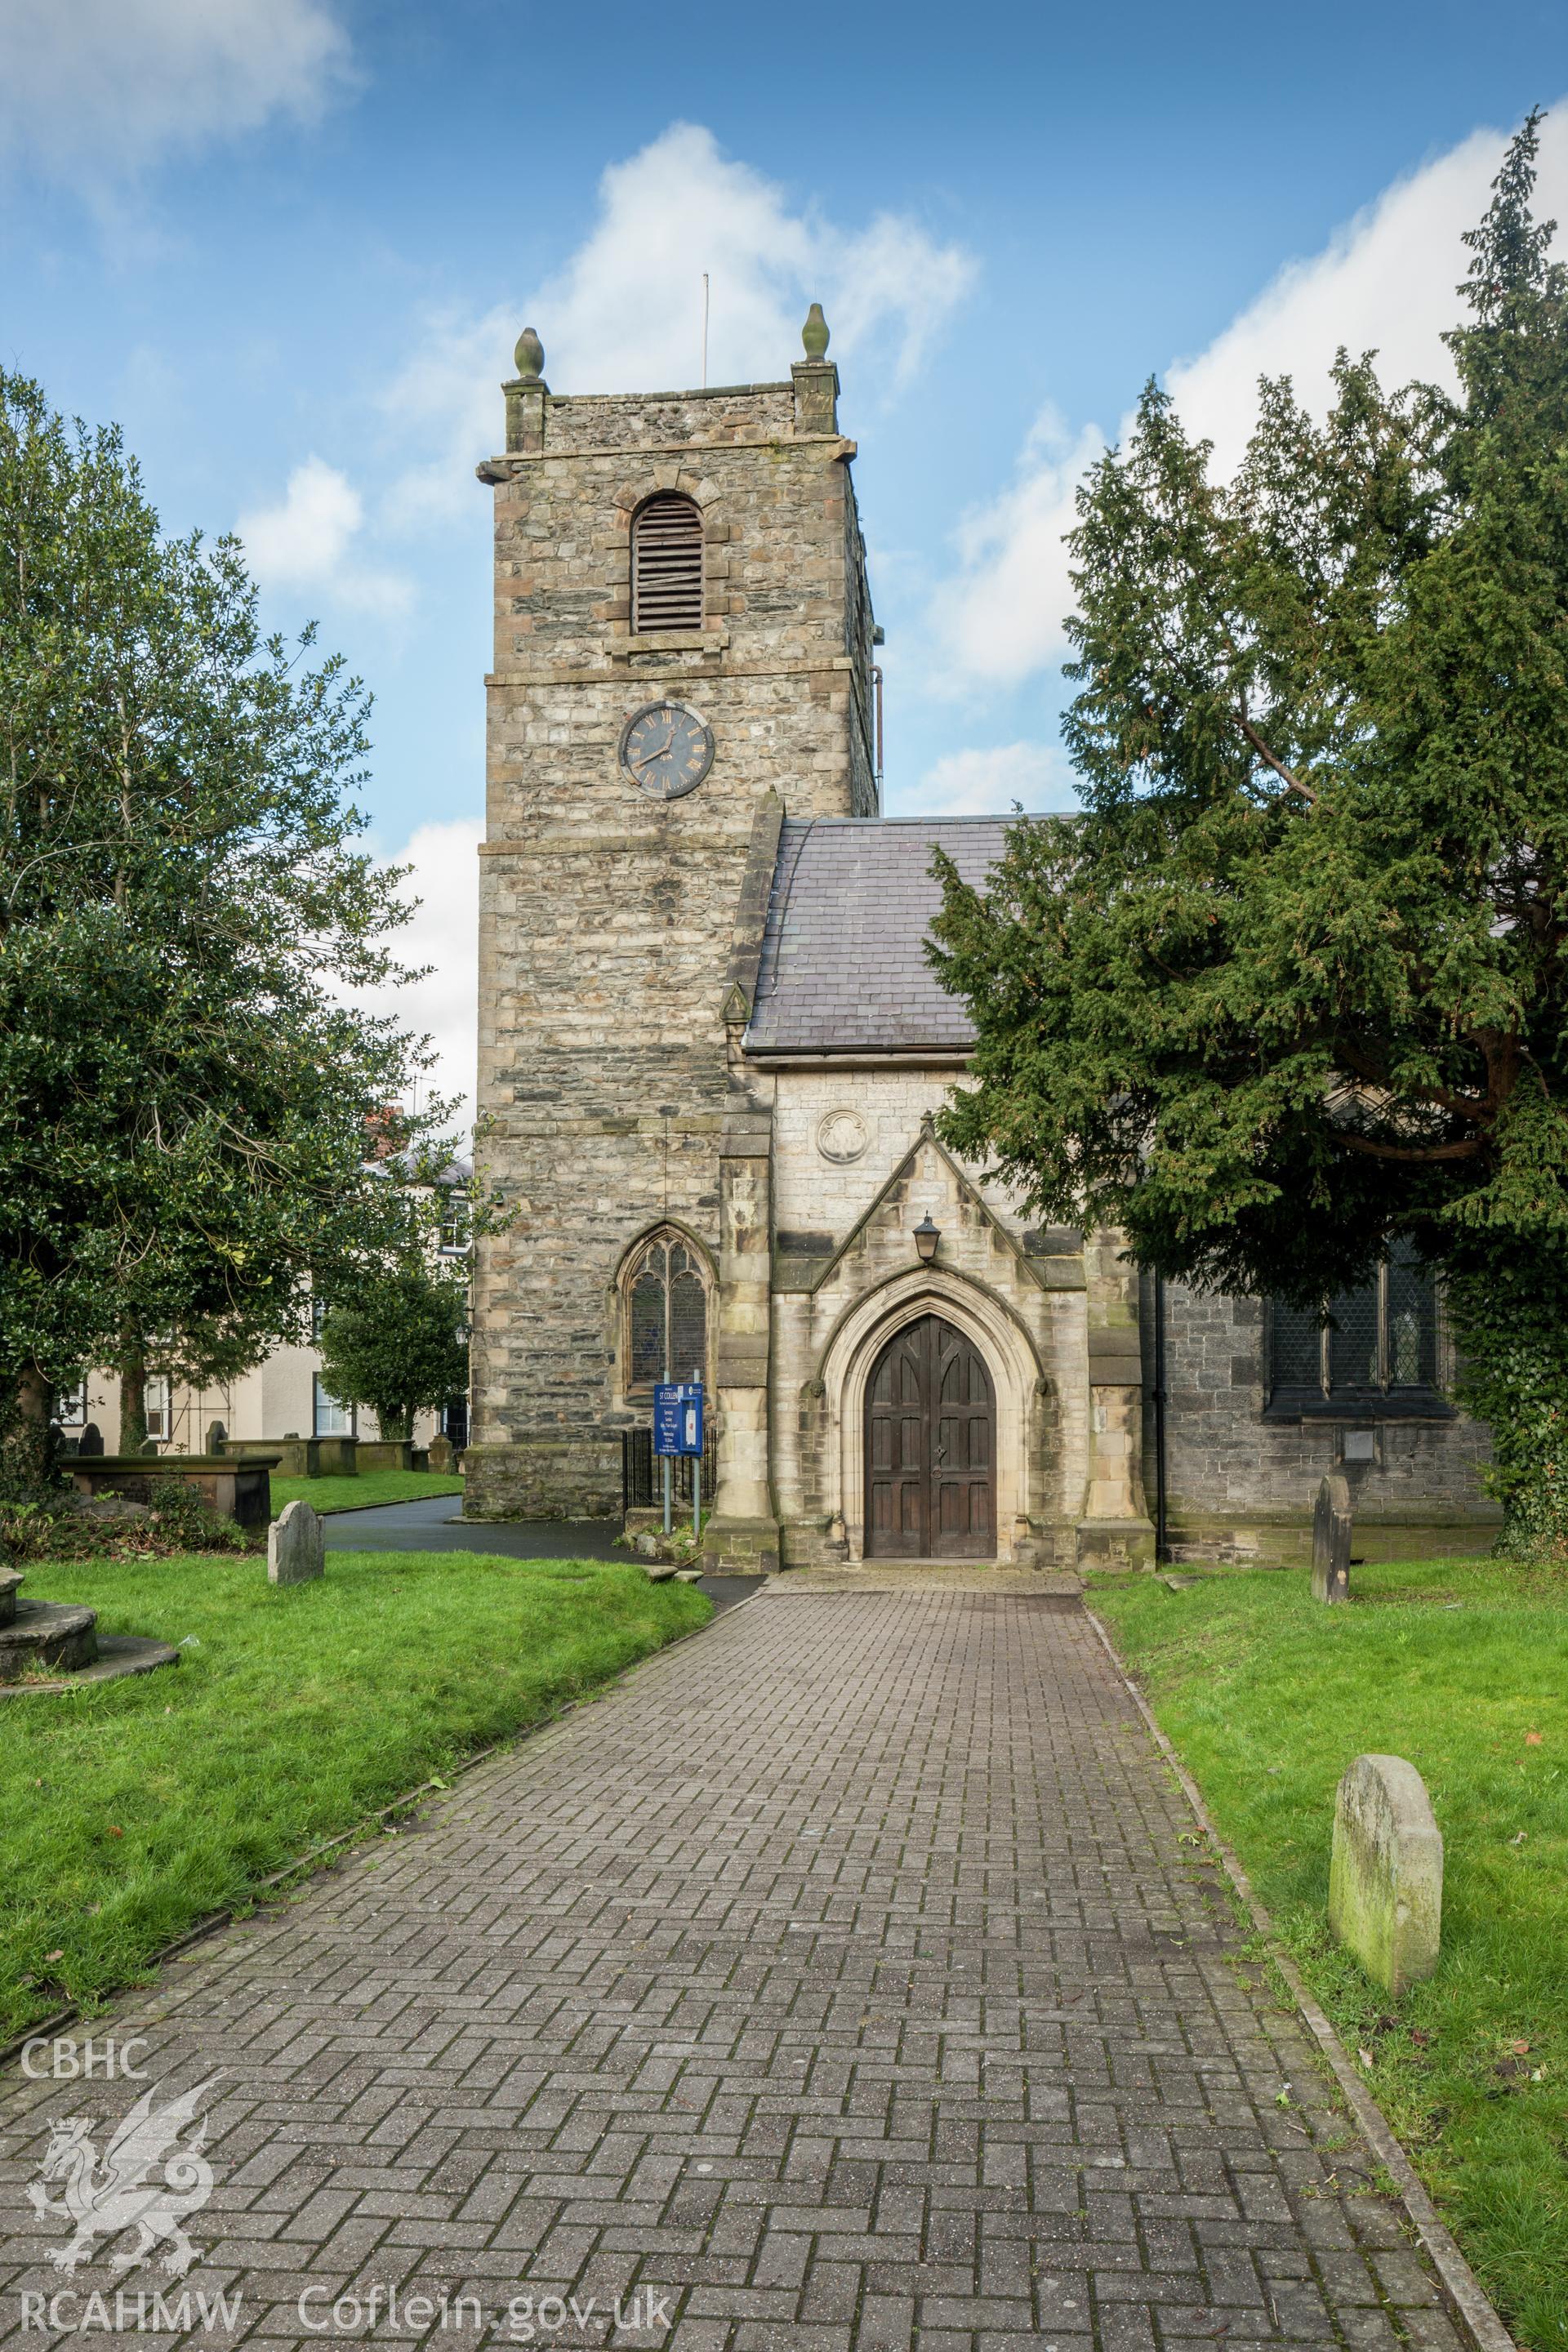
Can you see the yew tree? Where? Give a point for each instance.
(1295, 984)
(194, 1117)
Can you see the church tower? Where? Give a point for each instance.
(683, 660)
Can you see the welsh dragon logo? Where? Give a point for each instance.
(147, 2180)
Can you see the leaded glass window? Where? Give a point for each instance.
(1298, 1347)
(1412, 1323)
(1379, 1343)
(666, 1314)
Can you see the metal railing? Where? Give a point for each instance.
(642, 1476)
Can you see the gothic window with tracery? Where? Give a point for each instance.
(666, 1314)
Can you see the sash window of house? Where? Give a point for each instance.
(70, 1407)
(332, 1419)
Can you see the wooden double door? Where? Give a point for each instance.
(931, 1448)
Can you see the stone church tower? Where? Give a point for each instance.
(682, 659)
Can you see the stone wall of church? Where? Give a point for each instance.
(1241, 1481)
(839, 1134)
(605, 917)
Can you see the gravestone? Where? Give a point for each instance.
(1386, 1872)
(440, 1451)
(1332, 1540)
(91, 1439)
(296, 1547)
(218, 1437)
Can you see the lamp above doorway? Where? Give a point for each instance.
(927, 1236)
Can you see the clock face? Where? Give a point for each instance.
(667, 750)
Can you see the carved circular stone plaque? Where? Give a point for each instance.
(841, 1137)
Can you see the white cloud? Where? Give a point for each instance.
(625, 313)
(443, 933)
(1002, 616)
(1385, 282)
(987, 782)
(96, 86)
(305, 542)
(306, 538)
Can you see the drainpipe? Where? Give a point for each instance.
(878, 636)
(1161, 1535)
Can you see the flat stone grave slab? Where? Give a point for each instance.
(118, 1654)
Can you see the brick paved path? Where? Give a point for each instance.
(842, 1975)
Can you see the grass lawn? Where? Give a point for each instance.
(130, 1811)
(1462, 1666)
(369, 1487)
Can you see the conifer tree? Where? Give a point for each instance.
(1297, 983)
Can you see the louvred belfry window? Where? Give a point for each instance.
(667, 565)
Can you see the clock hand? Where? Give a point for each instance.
(648, 757)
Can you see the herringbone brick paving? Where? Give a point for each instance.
(847, 1980)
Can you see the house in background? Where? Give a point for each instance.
(284, 1396)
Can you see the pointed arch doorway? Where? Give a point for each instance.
(931, 1447)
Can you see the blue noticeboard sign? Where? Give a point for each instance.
(677, 1417)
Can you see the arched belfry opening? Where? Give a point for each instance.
(931, 1446)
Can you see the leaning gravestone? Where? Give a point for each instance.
(295, 1549)
(1386, 1872)
(441, 1455)
(91, 1440)
(1332, 1540)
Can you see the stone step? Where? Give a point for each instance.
(46, 1634)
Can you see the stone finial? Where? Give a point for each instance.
(814, 334)
(530, 356)
(1386, 1872)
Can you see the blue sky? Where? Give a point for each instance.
(287, 245)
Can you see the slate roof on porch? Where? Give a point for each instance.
(843, 966)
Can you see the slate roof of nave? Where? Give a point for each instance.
(843, 967)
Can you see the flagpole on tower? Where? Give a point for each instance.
(705, 331)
